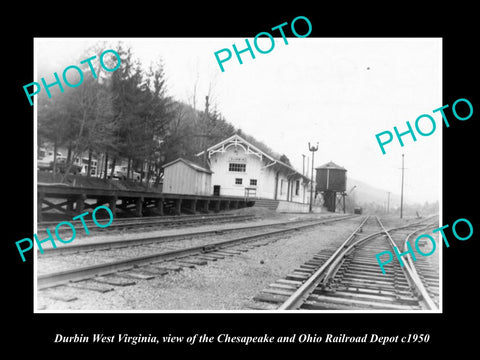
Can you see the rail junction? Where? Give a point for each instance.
(349, 277)
(343, 276)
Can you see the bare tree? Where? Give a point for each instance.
(91, 118)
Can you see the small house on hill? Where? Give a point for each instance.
(182, 176)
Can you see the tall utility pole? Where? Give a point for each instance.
(388, 202)
(312, 149)
(401, 194)
(303, 173)
(308, 164)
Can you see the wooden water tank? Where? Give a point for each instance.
(331, 177)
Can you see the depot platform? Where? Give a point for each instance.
(72, 201)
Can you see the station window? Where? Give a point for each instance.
(238, 181)
(297, 187)
(253, 182)
(237, 167)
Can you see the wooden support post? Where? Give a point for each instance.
(80, 203)
(205, 205)
(40, 197)
(139, 206)
(70, 203)
(124, 204)
(112, 204)
(227, 205)
(235, 204)
(193, 205)
(217, 205)
(178, 206)
(160, 206)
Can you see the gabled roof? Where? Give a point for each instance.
(189, 163)
(236, 140)
(331, 165)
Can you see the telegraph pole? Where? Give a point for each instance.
(401, 194)
(312, 149)
(303, 168)
(388, 202)
(303, 173)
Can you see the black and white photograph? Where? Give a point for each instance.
(278, 184)
(169, 185)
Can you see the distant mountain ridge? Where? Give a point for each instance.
(374, 200)
(364, 193)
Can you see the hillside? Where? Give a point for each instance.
(374, 200)
(364, 193)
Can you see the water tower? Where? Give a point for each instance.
(331, 182)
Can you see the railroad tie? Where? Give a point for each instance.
(113, 280)
(193, 261)
(90, 286)
(166, 266)
(153, 270)
(270, 297)
(64, 298)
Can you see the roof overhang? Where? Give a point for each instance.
(194, 166)
(238, 141)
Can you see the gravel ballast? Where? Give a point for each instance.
(225, 284)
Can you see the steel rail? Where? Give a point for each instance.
(298, 297)
(68, 249)
(413, 277)
(347, 250)
(328, 269)
(155, 217)
(157, 220)
(416, 278)
(66, 276)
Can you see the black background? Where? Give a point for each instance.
(26, 331)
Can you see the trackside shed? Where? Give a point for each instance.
(182, 176)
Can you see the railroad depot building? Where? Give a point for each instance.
(241, 169)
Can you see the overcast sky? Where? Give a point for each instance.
(338, 92)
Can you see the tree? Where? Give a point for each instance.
(53, 121)
(124, 87)
(179, 140)
(90, 119)
(80, 118)
(285, 160)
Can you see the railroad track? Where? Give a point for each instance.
(158, 239)
(350, 278)
(159, 263)
(153, 222)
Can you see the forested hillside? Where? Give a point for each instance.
(128, 114)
